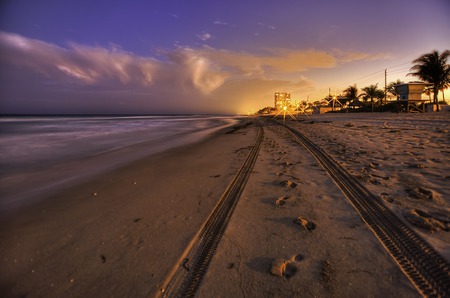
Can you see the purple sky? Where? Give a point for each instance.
(184, 56)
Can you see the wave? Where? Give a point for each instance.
(38, 154)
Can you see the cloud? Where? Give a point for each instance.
(183, 79)
(77, 63)
(207, 68)
(218, 22)
(204, 36)
(274, 60)
(350, 56)
(205, 74)
(266, 26)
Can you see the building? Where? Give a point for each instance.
(410, 91)
(282, 99)
(410, 97)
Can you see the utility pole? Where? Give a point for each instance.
(385, 86)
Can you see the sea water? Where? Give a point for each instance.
(41, 154)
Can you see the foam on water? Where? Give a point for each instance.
(39, 154)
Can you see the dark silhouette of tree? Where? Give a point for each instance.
(445, 86)
(380, 95)
(391, 88)
(428, 90)
(372, 92)
(433, 68)
(351, 93)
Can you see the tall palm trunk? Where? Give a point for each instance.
(435, 96)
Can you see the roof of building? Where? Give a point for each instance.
(414, 83)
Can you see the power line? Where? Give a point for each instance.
(409, 62)
(399, 70)
(352, 81)
(379, 73)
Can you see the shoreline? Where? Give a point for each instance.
(33, 185)
(120, 230)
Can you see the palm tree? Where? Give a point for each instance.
(427, 90)
(351, 93)
(445, 85)
(372, 92)
(433, 68)
(391, 88)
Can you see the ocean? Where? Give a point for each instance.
(45, 153)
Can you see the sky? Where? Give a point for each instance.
(213, 56)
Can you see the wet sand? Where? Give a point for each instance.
(121, 233)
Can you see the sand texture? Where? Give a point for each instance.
(293, 233)
(402, 158)
(312, 245)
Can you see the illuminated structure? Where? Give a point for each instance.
(284, 105)
(281, 100)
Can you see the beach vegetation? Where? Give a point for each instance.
(427, 91)
(445, 86)
(372, 92)
(434, 69)
(266, 111)
(351, 93)
(391, 88)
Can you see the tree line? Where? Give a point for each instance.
(431, 68)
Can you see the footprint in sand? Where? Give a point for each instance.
(420, 193)
(281, 201)
(426, 221)
(286, 268)
(288, 183)
(309, 225)
(286, 164)
(373, 165)
(327, 272)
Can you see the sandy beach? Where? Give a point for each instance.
(120, 234)
(403, 158)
